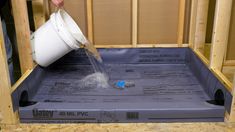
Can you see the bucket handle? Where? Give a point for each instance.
(58, 8)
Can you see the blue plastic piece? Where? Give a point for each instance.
(121, 84)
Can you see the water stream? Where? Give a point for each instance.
(100, 78)
(95, 58)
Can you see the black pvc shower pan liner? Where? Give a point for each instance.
(168, 85)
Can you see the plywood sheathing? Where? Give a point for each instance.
(77, 10)
(158, 21)
(112, 22)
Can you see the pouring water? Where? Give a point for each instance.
(100, 77)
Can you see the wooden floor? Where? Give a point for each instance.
(140, 127)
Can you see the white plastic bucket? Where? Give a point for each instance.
(55, 38)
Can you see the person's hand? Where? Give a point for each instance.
(58, 3)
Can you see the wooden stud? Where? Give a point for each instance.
(193, 23)
(39, 13)
(182, 6)
(19, 8)
(160, 45)
(134, 22)
(139, 45)
(220, 33)
(201, 25)
(89, 4)
(7, 115)
(114, 46)
(22, 78)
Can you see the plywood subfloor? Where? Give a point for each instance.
(131, 127)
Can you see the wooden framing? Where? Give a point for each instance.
(201, 24)
(134, 22)
(219, 40)
(19, 8)
(134, 26)
(114, 46)
(7, 115)
(160, 45)
(90, 20)
(182, 6)
(40, 12)
(220, 33)
(219, 45)
(193, 23)
(196, 41)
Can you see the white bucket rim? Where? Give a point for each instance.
(80, 36)
(82, 39)
(64, 31)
